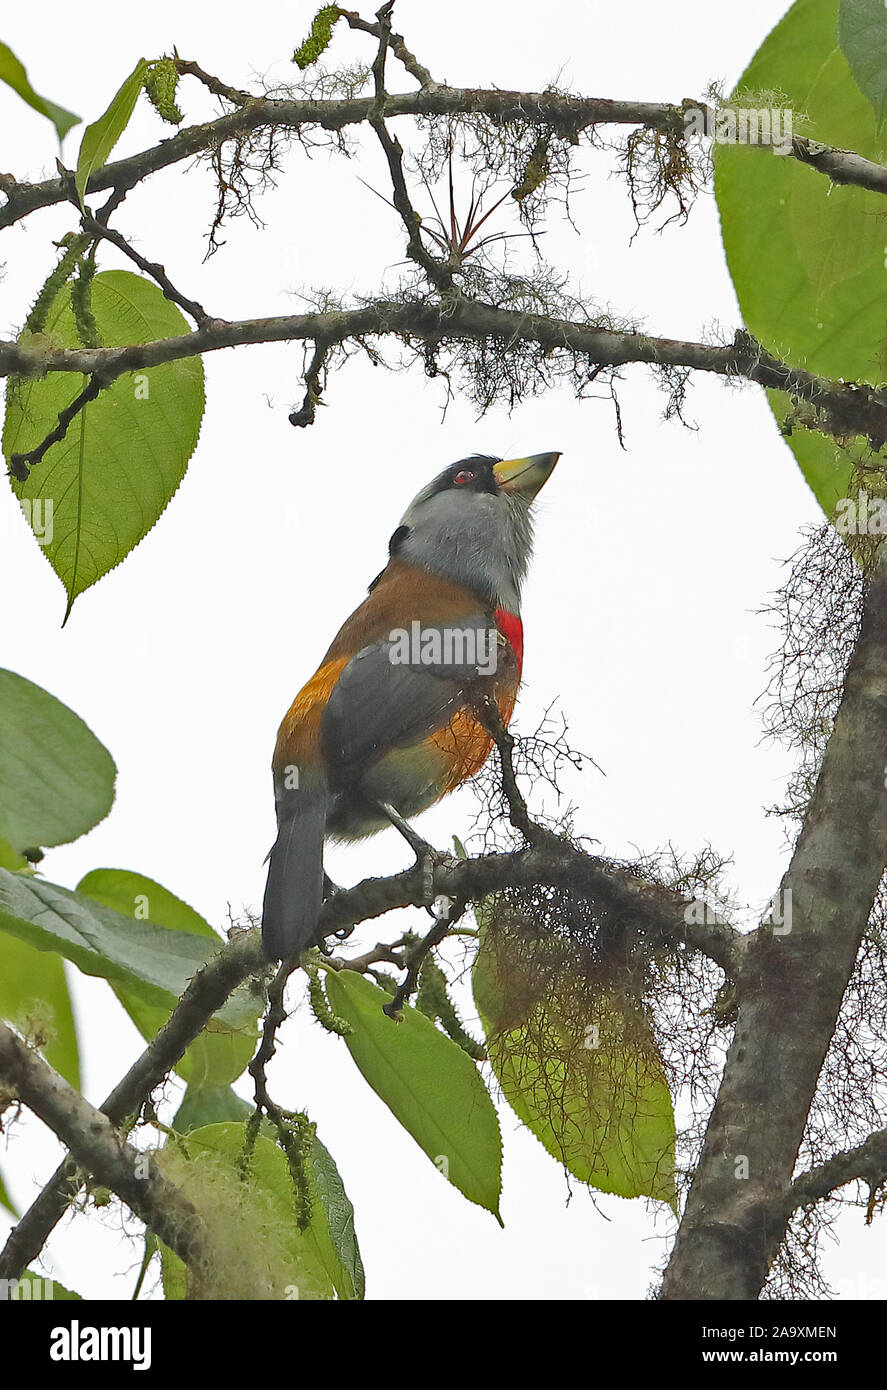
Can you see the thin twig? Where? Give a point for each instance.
(218, 88)
(487, 712)
(866, 1163)
(99, 228)
(415, 958)
(437, 271)
(20, 465)
(397, 46)
(275, 1016)
(313, 388)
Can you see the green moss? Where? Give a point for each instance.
(161, 81)
(320, 37)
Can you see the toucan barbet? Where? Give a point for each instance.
(387, 720)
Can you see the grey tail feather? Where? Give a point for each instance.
(294, 890)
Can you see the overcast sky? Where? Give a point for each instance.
(641, 612)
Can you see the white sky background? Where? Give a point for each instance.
(640, 612)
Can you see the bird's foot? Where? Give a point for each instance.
(420, 847)
(330, 890)
(427, 857)
(426, 863)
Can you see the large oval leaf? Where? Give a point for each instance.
(807, 258)
(153, 962)
(220, 1053)
(431, 1086)
(56, 779)
(862, 33)
(125, 454)
(313, 1264)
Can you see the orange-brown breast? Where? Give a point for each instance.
(465, 744)
(402, 593)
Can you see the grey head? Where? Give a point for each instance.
(473, 524)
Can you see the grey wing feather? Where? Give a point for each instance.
(380, 702)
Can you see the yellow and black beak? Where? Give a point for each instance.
(525, 477)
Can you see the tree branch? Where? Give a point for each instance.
(99, 228)
(846, 408)
(313, 388)
(865, 1163)
(660, 911)
(840, 166)
(437, 271)
(790, 988)
(20, 465)
(206, 993)
(396, 44)
(101, 1150)
(564, 113)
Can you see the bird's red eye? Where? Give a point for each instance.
(465, 475)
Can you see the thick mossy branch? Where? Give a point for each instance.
(99, 1149)
(537, 349)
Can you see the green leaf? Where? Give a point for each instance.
(100, 138)
(153, 962)
(151, 1248)
(334, 1224)
(141, 897)
(209, 1105)
(807, 258)
(34, 997)
(125, 454)
(56, 779)
(32, 1287)
(316, 1263)
(862, 34)
(579, 1068)
(6, 1200)
(11, 859)
(428, 1083)
(220, 1054)
(14, 75)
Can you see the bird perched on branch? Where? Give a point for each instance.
(387, 725)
